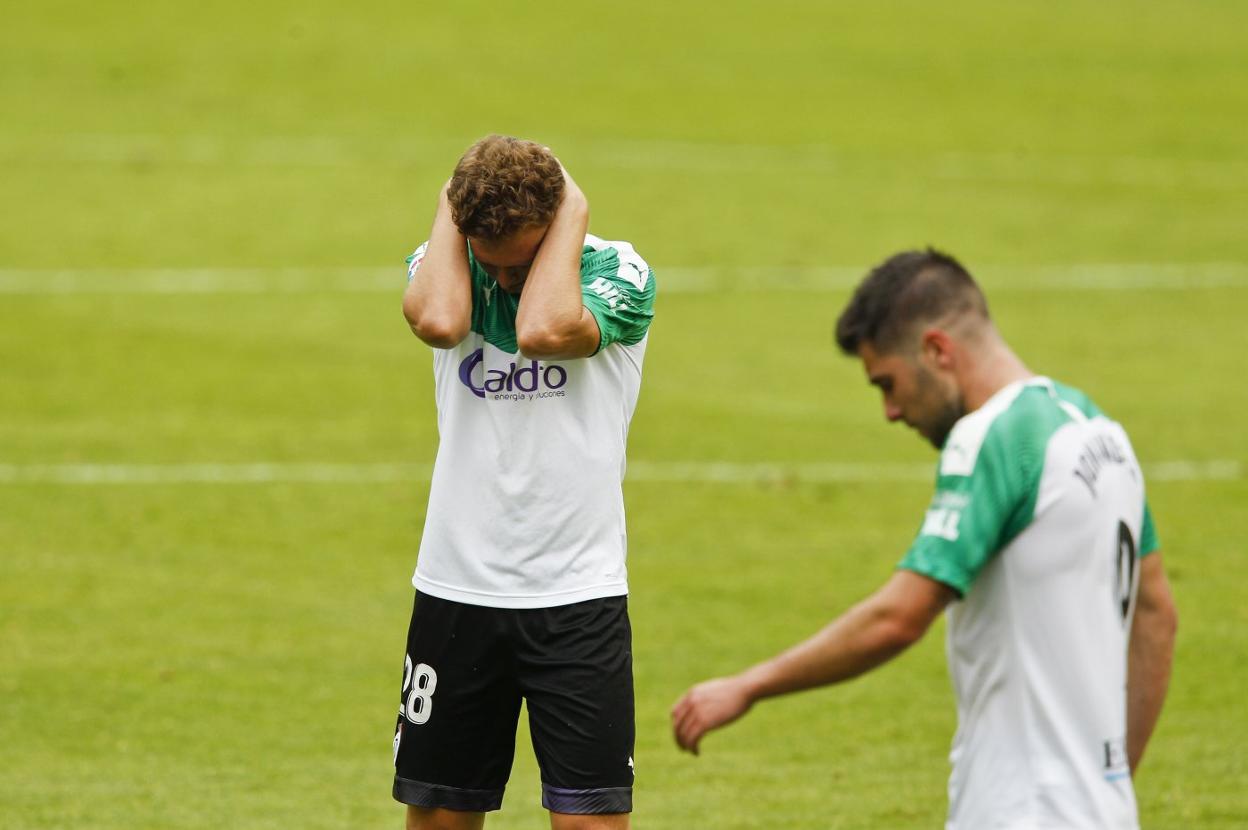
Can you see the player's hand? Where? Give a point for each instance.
(708, 706)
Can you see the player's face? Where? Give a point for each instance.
(508, 260)
(928, 402)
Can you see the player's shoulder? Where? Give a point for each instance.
(1014, 424)
(1076, 398)
(618, 261)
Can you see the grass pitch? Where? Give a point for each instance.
(205, 205)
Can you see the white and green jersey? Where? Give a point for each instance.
(1038, 520)
(526, 508)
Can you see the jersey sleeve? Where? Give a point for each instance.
(1149, 543)
(976, 510)
(618, 288)
(414, 260)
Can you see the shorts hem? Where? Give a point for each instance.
(595, 801)
(422, 794)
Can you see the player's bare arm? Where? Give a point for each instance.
(438, 300)
(872, 632)
(552, 322)
(1149, 655)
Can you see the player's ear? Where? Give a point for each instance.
(937, 347)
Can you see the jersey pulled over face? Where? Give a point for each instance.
(526, 508)
(1038, 520)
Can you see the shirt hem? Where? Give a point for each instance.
(447, 592)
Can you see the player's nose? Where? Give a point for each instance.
(892, 412)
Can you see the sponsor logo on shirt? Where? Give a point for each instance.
(944, 515)
(524, 381)
(613, 295)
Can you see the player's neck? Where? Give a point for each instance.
(995, 367)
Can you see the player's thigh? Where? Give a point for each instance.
(576, 671)
(455, 737)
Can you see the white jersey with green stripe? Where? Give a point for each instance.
(526, 508)
(1038, 521)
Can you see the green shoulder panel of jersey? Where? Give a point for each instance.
(1076, 398)
(619, 291)
(986, 487)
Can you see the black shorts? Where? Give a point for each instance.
(467, 669)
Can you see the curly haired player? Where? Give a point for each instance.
(538, 331)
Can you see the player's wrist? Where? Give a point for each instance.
(754, 683)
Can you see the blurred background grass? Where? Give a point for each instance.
(204, 208)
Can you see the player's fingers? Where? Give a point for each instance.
(686, 730)
(679, 727)
(693, 735)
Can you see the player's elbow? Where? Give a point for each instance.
(898, 632)
(897, 628)
(442, 331)
(440, 334)
(1155, 611)
(544, 343)
(1165, 619)
(1170, 615)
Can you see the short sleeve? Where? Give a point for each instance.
(1149, 543)
(977, 509)
(618, 288)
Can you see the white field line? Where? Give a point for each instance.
(672, 280)
(677, 472)
(655, 155)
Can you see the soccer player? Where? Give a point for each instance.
(538, 333)
(1039, 543)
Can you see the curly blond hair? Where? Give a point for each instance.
(503, 185)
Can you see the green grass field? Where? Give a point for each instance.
(206, 214)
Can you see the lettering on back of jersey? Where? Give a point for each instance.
(1099, 451)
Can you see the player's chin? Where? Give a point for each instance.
(933, 435)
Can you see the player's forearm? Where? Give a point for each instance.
(861, 639)
(1149, 659)
(438, 300)
(551, 310)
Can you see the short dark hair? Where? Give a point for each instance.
(906, 289)
(503, 185)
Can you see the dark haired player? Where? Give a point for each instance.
(1038, 541)
(539, 331)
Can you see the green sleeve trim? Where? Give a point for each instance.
(1149, 543)
(623, 310)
